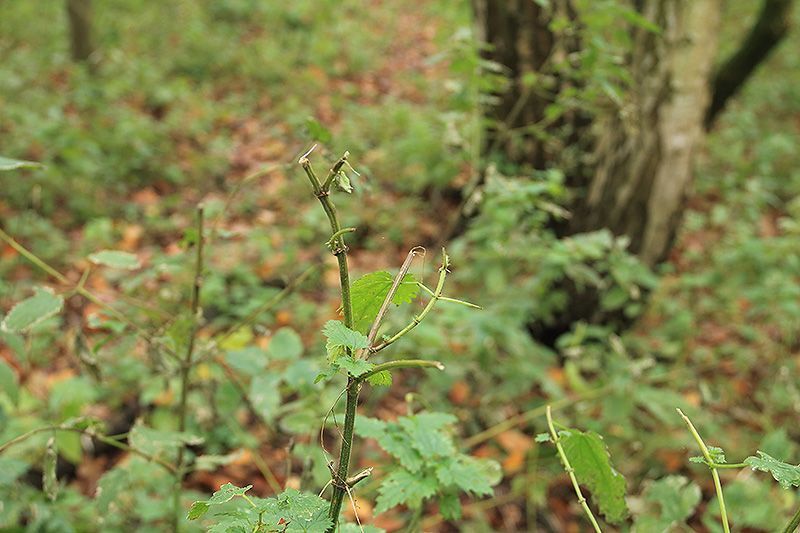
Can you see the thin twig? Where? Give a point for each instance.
(714, 474)
(402, 363)
(376, 324)
(443, 270)
(570, 471)
(105, 439)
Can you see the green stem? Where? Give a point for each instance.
(714, 474)
(186, 367)
(334, 171)
(402, 363)
(794, 523)
(97, 436)
(570, 471)
(437, 294)
(339, 249)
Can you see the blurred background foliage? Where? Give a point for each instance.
(187, 99)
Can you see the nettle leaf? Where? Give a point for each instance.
(406, 488)
(671, 501)
(341, 337)
(717, 456)
(786, 474)
(32, 311)
(369, 291)
(356, 367)
(7, 163)
(393, 441)
(469, 474)
(115, 259)
(425, 435)
(380, 379)
(450, 506)
(226, 493)
(293, 511)
(588, 455)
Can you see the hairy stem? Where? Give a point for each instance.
(570, 471)
(723, 513)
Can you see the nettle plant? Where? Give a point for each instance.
(665, 504)
(149, 487)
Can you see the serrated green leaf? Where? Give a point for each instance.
(588, 455)
(543, 437)
(392, 439)
(369, 291)
(13, 164)
(341, 337)
(469, 474)
(115, 259)
(671, 501)
(49, 479)
(293, 511)
(197, 510)
(226, 493)
(380, 379)
(404, 487)
(285, 344)
(786, 474)
(355, 367)
(717, 456)
(425, 435)
(8, 382)
(27, 313)
(450, 506)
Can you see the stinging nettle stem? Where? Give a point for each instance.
(339, 249)
(723, 513)
(570, 471)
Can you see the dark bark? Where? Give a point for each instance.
(79, 13)
(770, 28)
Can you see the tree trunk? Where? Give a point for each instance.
(627, 161)
(643, 158)
(79, 13)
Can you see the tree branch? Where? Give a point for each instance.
(770, 28)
